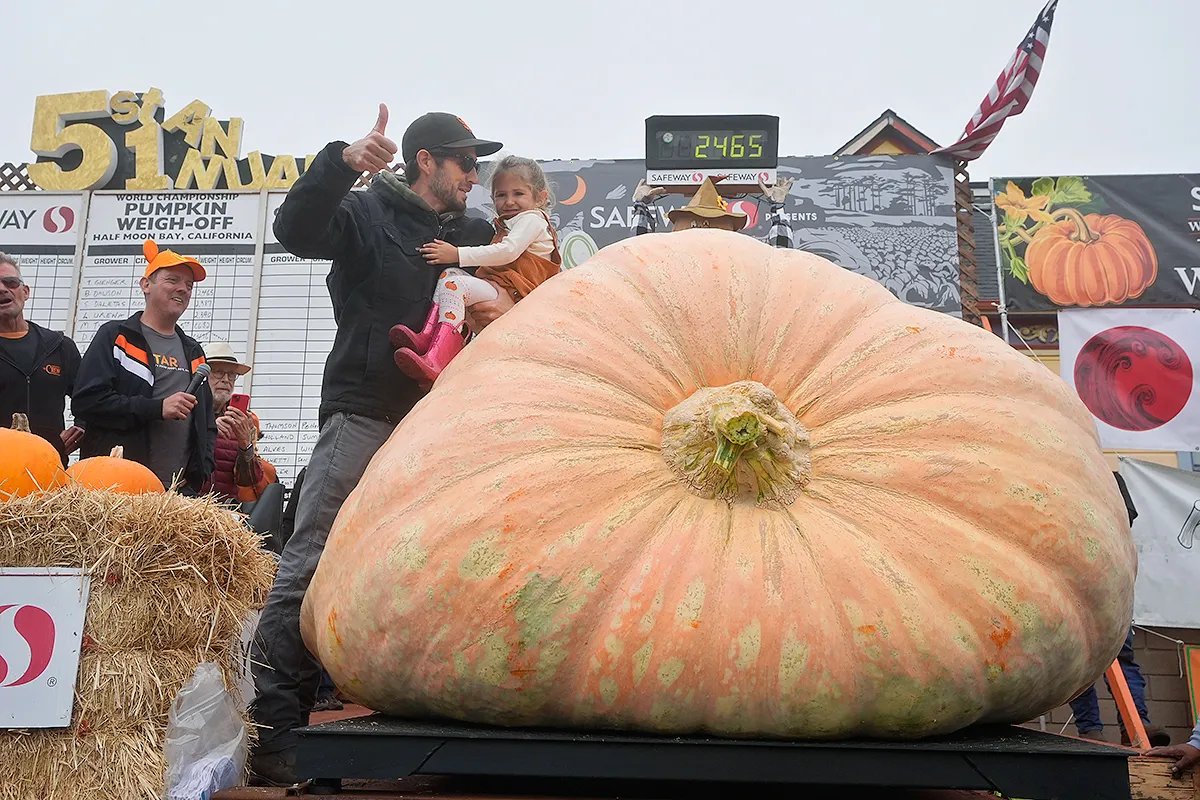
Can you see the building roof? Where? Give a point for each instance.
(888, 126)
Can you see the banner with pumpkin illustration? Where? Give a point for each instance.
(1094, 241)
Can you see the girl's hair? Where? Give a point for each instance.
(528, 171)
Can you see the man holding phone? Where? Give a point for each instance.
(240, 474)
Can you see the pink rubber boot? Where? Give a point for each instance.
(417, 341)
(424, 368)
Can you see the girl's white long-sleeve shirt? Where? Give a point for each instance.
(528, 230)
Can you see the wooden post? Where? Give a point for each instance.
(967, 271)
(1126, 708)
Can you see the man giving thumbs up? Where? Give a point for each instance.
(378, 279)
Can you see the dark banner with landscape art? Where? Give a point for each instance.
(890, 218)
(1079, 242)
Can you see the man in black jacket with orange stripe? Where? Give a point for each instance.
(37, 366)
(131, 385)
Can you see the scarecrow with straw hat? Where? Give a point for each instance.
(707, 209)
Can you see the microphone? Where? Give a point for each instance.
(199, 377)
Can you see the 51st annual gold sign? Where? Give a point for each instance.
(97, 140)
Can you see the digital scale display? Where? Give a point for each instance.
(712, 142)
(731, 145)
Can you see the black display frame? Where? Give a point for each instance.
(699, 123)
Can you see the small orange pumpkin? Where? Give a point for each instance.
(29, 464)
(1091, 261)
(115, 473)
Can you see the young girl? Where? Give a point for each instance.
(523, 254)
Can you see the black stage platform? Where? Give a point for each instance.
(1016, 762)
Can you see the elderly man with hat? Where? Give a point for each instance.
(131, 389)
(240, 475)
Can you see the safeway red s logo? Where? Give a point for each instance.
(748, 208)
(59, 219)
(26, 644)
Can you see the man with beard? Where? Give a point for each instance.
(378, 279)
(131, 388)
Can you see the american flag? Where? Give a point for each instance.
(1011, 92)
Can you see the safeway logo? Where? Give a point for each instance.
(748, 208)
(26, 644)
(58, 219)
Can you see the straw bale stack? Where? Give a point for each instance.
(173, 580)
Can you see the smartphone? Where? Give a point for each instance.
(241, 402)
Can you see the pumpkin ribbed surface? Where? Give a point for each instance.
(28, 463)
(1091, 260)
(115, 473)
(700, 484)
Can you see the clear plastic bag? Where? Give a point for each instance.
(206, 738)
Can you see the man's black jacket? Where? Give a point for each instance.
(378, 279)
(114, 398)
(41, 394)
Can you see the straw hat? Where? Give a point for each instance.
(709, 204)
(222, 353)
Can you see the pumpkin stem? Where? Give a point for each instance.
(20, 423)
(1082, 232)
(117, 452)
(736, 440)
(732, 437)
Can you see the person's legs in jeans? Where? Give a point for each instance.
(285, 674)
(327, 699)
(1137, 689)
(1086, 708)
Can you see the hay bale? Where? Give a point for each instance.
(173, 582)
(125, 762)
(117, 689)
(129, 615)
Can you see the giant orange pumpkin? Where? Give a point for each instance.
(115, 473)
(700, 484)
(1091, 261)
(28, 463)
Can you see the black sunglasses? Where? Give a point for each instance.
(465, 162)
(12, 282)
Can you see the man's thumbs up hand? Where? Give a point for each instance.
(373, 152)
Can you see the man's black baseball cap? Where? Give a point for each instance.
(440, 131)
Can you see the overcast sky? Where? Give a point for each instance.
(577, 80)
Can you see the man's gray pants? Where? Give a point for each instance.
(286, 675)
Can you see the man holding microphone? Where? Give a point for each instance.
(140, 382)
